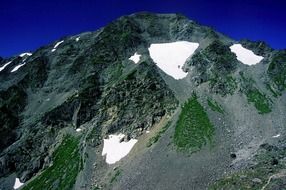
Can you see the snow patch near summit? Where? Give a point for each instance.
(244, 55)
(115, 148)
(25, 54)
(17, 184)
(170, 57)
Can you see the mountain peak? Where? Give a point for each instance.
(111, 109)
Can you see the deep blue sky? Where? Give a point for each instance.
(28, 24)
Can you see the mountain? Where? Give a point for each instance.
(151, 101)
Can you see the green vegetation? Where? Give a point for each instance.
(125, 35)
(131, 75)
(269, 162)
(94, 137)
(242, 180)
(260, 100)
(211, 34)
(62, 174)
(114, 73)
(223, 84)
(247, 80)
(115, 176)
(193, 129)
(14, 99)
(154, 139)
(99, 59)
(274, 92)
(222, 59)
(277, 70)
(232, 85)
(215, 64)
(215, 106)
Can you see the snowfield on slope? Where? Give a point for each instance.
(244, 55)
(5, 65)
(135, 58)
(57, 44)
(170, 57)
(115, 149)
(78, 130)
(18, 67)
(276, 136)
(17, 184)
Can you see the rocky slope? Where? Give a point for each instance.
(220, 127)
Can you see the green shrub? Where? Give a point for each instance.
(193, 128)
(215, 106)
(260, 100)
(268, 162)
(115, 176)
(277, 69)
(154, 139)
(64, 170)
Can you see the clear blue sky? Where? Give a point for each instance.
(28, 24)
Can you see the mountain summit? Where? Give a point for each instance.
(151, 101)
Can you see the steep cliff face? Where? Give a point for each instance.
(59, 104)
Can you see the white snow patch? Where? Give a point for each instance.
(24, 54)
(77, 39)
(5, 65)
(78, 130)
(18, 183)
(135, 58)
(115, 149)
(244, 55)
(276, 136)
(170, 57)
(18, 67)
(57, 44)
